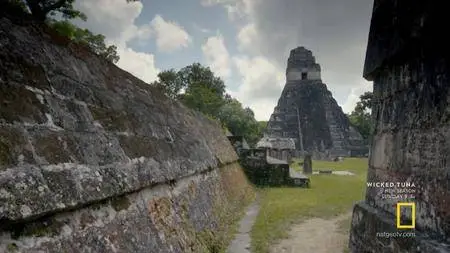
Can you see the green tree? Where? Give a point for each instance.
(262, 127)
(65, 28)
(198, 75)
(360, 117)
(96, 42)
(205, 92)
(196, 81)
(41, 9)
(200, 97)
(110, 54)
(365, 102)
(240, 121)
(170, 83)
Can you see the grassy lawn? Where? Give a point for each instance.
(329, 195)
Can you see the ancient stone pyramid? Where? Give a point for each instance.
(308, 113)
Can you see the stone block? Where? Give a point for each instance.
(307, 164)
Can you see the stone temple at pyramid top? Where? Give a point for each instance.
(302, 65)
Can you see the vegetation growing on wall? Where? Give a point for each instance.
(45, 10)
(96, 42)
(226, 210)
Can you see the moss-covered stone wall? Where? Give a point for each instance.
(93, 159)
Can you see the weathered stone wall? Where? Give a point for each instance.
(408, 61)
(262, 173)
(281, 154)
(93, 159)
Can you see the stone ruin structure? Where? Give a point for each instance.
(308, 113)
(408, 60)
(279, 148)
(268, 164)
(93, 159)
(264, 170)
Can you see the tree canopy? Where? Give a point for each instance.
(360, 117)
(239, 120)
(42, 9)
(198, 88)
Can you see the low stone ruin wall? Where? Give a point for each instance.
(265, 171)
(261, 173)
(94, 160)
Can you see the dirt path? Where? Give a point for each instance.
(315, 236)
(241, 242)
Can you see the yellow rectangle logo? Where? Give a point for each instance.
(413, 215)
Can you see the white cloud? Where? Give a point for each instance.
(235, 8)
(353, 97)
(201, 29)
(261, 82)
(214, 2)
(170, 36)
(336, 35)
(116, 20)
(217, 56)
(247, 38)
(113, 18)
(142, 65)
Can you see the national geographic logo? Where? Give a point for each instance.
(403, 207)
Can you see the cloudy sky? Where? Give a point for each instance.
(246, 42)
